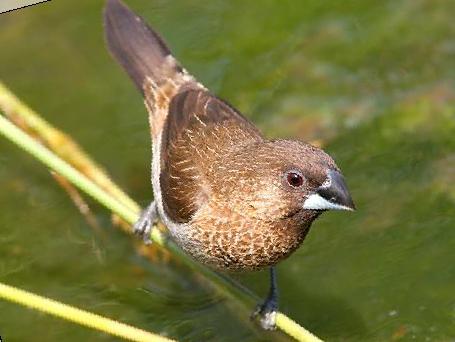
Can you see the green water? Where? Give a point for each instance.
(373, 80)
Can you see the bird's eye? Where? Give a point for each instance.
(294, 179)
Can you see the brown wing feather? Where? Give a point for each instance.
(199, 129)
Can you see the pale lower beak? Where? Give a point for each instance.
(332, 195)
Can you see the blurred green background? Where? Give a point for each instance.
(372, 80)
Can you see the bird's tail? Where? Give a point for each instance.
(138, 48)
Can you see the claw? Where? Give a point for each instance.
(267, 315)
(268, 320)
(144, 225)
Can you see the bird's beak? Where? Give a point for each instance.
(332, 195)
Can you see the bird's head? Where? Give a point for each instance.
(283, 178)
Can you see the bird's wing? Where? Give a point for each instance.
(200, 131)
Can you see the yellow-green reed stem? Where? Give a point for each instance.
(41, 153)
(59, 142)
(79, 316)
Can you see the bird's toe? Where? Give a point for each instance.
(266, 313)
(144, 225)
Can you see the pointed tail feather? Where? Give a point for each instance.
(138, 48)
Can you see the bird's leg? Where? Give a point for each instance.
(267, 310)
(144, 225)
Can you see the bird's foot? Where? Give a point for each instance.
(144, 225)
(267, 314)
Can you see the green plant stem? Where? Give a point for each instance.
(60, 143)
(41, 153)
(227, 286)
(79, 316)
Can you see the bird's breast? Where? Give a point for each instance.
(236, 243)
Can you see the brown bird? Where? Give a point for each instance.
(231, 198)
